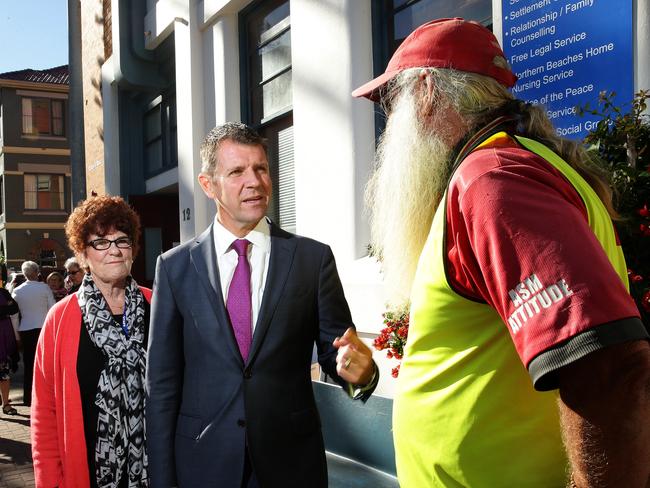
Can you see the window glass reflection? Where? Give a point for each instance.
(277, 94)
(267, 23)
(408, 19)
(276, 55)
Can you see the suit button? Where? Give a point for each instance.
(248, 374)
(241, 423)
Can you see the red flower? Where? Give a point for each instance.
(395, 371)
(380, 342)
(644, 212)
(392, 337)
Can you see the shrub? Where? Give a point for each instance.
(621, 142)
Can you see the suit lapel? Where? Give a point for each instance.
(282, 252)
(204, 258)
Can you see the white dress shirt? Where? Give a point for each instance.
(34, 300)
(259, 251)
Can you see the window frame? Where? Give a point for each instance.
(61, 193)
(384, 43)
(51, 117)
(246, 55)
(274, 125)
(166, 104)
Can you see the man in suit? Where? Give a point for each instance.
(234, 317)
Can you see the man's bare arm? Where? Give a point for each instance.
(605, 416)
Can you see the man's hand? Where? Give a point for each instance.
(354, 360)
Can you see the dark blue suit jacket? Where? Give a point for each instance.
(205, 404)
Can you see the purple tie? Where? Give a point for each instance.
(239, 299)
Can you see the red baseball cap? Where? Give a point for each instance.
(444, 43)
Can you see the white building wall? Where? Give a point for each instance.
(194, 207)
(334, 134)
(222, 81)
(334, 140)
(641, 13)
(110, 104)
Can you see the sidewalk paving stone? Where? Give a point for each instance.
(16, 469)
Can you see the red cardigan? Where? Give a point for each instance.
(58, 443)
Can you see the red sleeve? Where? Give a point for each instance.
(518, 238)
(48, 470)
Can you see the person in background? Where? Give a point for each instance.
(15, 281)
(8, 349)
(523, 335)
(230, 401)
(73, 275)
(88, 416)
(55, 282)
(34, 299)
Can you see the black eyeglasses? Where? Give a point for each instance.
(102, 244)
(73, 272)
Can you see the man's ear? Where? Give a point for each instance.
(206, 185)
(425, 108)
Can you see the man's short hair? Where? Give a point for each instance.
(30, 269)
(71, 262)
(234, 131)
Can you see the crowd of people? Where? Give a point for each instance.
(24, 303)
(526, 363)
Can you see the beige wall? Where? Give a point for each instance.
(92, 54)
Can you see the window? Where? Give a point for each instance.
(44, 192)
(404, 16)
(407, 15)
(267, 96)
(43, 117)
(153, 140)
(47, 258)
(160, 138)
(394, 20)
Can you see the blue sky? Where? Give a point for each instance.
(33, 34)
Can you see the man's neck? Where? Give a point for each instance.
(238, 232)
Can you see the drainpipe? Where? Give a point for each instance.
(75, 104)
(135, 67)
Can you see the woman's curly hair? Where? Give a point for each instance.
(99, 215)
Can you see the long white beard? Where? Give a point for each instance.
(403, 194)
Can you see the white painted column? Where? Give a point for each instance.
(222, 81)
(331, 46)
(193, 205)
(110, 104)
(641, 12)
(497, 21)
(331, 52)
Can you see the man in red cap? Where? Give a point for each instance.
(526, 362)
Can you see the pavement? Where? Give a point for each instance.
(15, 449)
(16, 469)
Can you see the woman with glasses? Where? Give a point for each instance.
(73, 275)
(88, 403)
